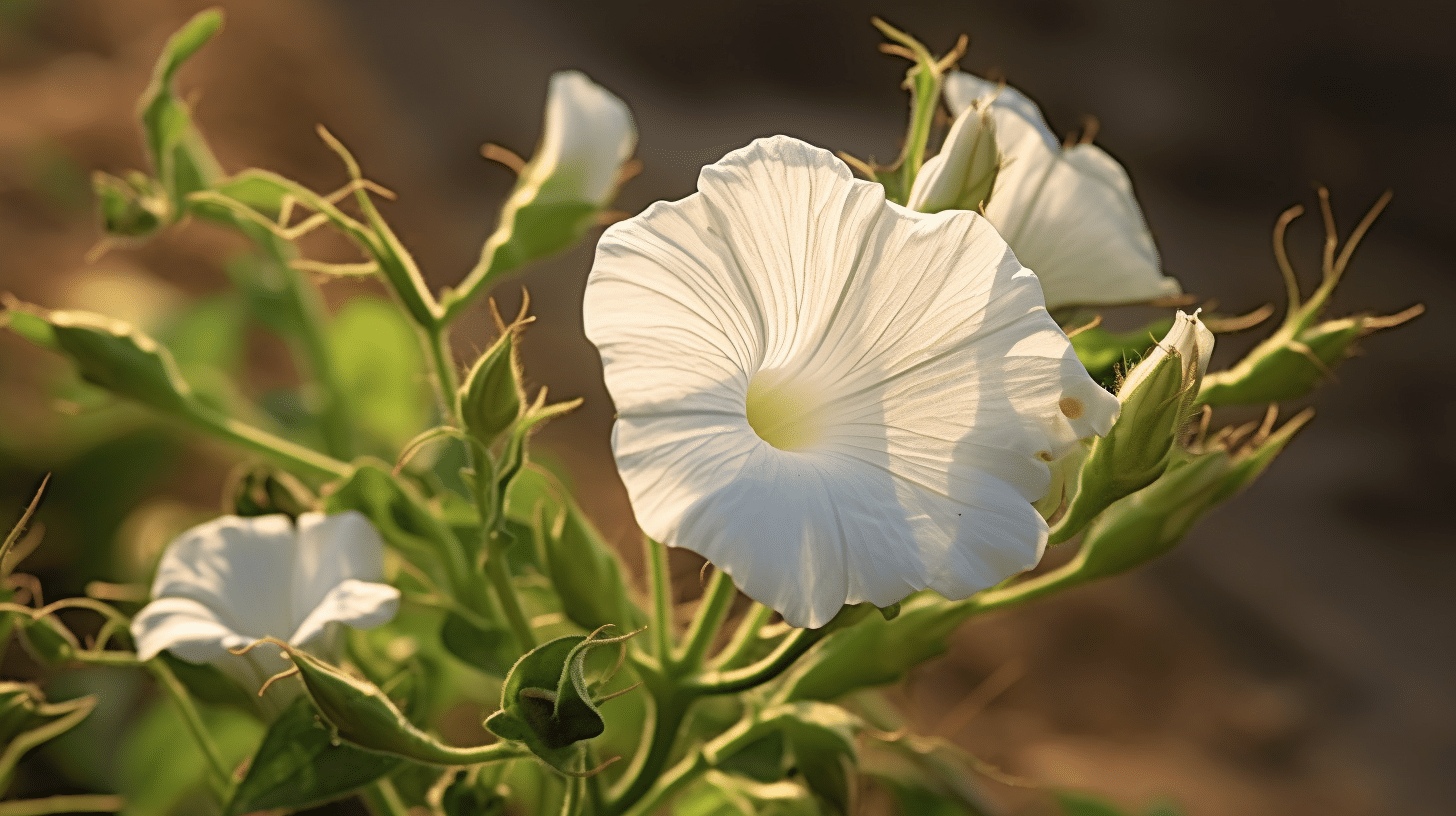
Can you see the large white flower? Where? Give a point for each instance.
(587, 137)
(229, 582)
(1070, 215)
(831, 397)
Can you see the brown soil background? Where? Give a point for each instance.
(1294, 656)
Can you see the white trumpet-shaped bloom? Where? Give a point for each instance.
(831, 397)
(229, 582)
(587, 137)
(1069, 214)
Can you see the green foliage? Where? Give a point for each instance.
(489, 649)
(180, 156)
(130, 207)
(160, 773)
(301, 764)
(378, 362)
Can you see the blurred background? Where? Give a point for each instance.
(1293, 656)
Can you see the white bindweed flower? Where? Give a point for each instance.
(227, 583)
(831, 397)
(588, 135)
(1069, 214)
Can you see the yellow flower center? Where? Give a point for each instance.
(784, 414)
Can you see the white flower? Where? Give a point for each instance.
(1070, 215)
(831, 397)
(588, 135)
(229, 582)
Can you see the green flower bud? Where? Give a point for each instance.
(1157, 401)
(48, 640)
(1148, 523)
(133, 207)
(491, 398)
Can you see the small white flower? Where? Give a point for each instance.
(588, 135)
(1070, 215)
(229, 582)
(831, 397)
(961, 175)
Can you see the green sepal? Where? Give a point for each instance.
(529, 232)
(837, 666)
(1303, 352)
(262, 490)
(546, 702)
(108, 353)
(27, 720)
(301, 764)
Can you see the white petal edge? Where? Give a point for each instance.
(588, 135)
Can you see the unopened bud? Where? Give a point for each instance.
(961, 176)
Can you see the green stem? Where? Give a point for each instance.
(81, 803)
(1063, 577)
(659, 585)
(670, 708)
(193, 721)
(246, 436)
(744, 637)
(446, 379)
(712, 609)
(505, 590)
(684, 772)
(789, 650)
(383, 799)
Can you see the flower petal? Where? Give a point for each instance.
(924, 380)
(239, 568)
(360, 604)
(193, 632)
(331, 550)
(1070, 215)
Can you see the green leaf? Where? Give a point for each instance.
(180, 155)
(1107, 355)
(489, 650)
(584, 569)
(379, 364)
(301, 764)
(821, 738)
(837, 665)
(108, 353)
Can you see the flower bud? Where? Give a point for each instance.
(491, 398)
(1148, 523)
(1157, 399)
(961, 176)
(131, 207)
